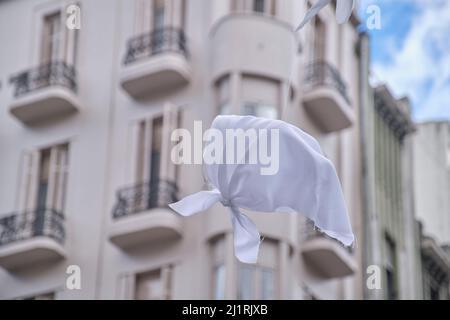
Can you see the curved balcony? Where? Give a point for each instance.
(254, 44)
(31, 237)
(327, 255)
(154, 62)
(326, 98)
(44, 92)
(142, 216)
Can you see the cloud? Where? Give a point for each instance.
(414, 59)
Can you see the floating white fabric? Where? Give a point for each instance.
(306, 182)
(343, 11)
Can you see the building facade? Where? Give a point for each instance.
(432, 202)
(392, 243)
(85, 122)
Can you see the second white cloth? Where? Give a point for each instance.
(344, 10)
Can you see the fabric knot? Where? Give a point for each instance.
(226, 203)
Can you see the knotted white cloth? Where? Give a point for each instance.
(306, 182)
(343, 11)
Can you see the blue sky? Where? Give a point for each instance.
(411, 52)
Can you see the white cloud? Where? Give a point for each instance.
(421, 67)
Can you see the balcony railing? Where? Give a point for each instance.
(145, 196)
(155, 42)
(40, 222)
(323, 74)
(52, 74)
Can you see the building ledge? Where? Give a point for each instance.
(328, 257)
(30, 252)
(145, 228)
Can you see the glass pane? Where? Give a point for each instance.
(219, 282)
(225, 109)
(259, 110)
(258, 6)
(158, 15)
(51, 37)
(246, 283)
(149, 286)
(267, 285)
(319, 39)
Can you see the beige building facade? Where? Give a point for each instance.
(85, 123)
(432, 201)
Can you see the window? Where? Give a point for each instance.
(158, 14)
(258, 110)
(149, 152)
(153, 146)
(267, 284)
(219, 282)
(319, 39)
(44, 178)
(256, 282)
(58, 42)
(154, 285)
(258, 6)
(152, 173)
(448, 157)
(154, 15)
(218, 268)
(51, 37)
(260, 97)
(391, 269)
(44, 296)
(223, 96)
(247, 275)
(260, 281)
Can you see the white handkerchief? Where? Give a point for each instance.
(306, 182)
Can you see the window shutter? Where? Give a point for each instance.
(63, 173)
(29, 181)
(135, 152)
(69, 40)
(140, 151)
(52, 178)
(126, 287)
(57, 177)
(166, 279)
(143, 16)
(177, 13)
(168, 12)
(170, 123)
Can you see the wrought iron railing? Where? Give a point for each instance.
(321, 73)
(144, 196)
(30, 224)
(155, 42)
(56, 73)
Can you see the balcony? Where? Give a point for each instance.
(31, 237)
(253, 44)
(142, 216)
(45, 92)
(326, 99)
(327, 255)
(154, 62)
